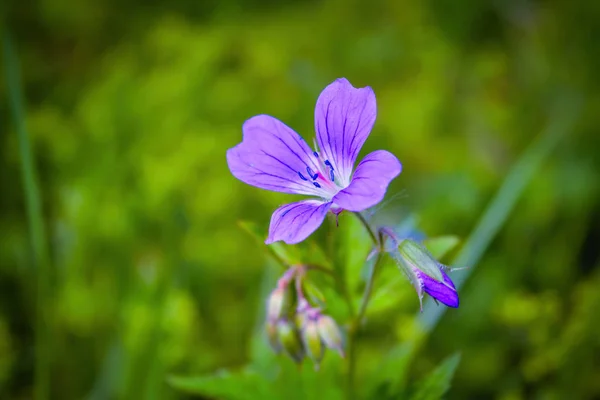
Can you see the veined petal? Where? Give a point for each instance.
(344, 116)
(369, 182)
(272, 156)
(294, 222)
(444, 292)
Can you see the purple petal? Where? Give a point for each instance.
(344, 117)
(444, 292)
(369, 182)
(272, 156)
(294, 222)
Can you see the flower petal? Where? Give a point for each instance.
(272, 156)
(344, 116)
(369, 182)
(294, 222)
(444, 292)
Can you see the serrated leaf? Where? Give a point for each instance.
(434, 386)
(441, 245)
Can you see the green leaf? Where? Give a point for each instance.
(242, 385)
(437, 383)
(352, 247)
(441, 245)
(314, 293)
(389, 380)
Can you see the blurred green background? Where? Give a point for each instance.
(131, 105)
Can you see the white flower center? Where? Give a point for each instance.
(325, 178)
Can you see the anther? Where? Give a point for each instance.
(317, 185)
(302, 176)
(331, 175)
(310, 173)
(316, 154)
(328, 163)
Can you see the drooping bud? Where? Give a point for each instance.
(272, 336)
(312, 342)
(425, 273)
(330, 333)
(278, 303)
(289, 338)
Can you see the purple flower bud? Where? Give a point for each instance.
(425, 273)
(330, 333)
(290, 339)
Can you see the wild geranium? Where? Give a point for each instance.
(272, 156)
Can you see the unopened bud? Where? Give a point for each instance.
(330, 333)
(290, 340)
(415, 255)
(425, 273)
(278, 303)
(271, 328)
(312, 342)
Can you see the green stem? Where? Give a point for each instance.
(368, 228)
(368, 291)
(339, 274)
(357, 320)
(320, 268)
(35, 222)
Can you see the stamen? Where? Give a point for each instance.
(316, 185)
(302, 176)
(316, 154)
(328, 163)
(310, 173)
(331, 175)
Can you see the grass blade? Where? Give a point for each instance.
(561, 122)
(35, 221)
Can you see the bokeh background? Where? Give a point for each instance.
(130, 106)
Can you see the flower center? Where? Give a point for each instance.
(324, 178)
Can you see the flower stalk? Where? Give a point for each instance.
(378, 242)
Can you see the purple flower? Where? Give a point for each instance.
(274, 157)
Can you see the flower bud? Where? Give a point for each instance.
(271, 328)
(416, 256)
(289, 339)
(425, 273)
(330, 333)
(312, 342)
(278, 303)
